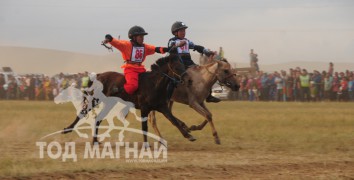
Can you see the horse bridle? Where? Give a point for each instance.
(222, 82)
(174, 74)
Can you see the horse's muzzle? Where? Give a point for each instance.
(236, 87)
(233, 86)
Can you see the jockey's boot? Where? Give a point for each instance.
(213, 99)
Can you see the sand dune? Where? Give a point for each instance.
(35, 60)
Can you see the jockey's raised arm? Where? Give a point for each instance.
(134, 53)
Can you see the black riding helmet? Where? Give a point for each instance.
(136, 30)
(177, 26)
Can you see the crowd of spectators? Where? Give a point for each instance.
(294, 85)
(297, 85)
(39, 87)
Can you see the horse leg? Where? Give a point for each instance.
(144, 126)
(198, 127)
(83, 135)
(122, 116)
(70, 128)
(210, 120)
(125, 125)
(137, 117)
(107, 107)
(121, 133)
(84, 111)
(170, 104)
(152, 120)
(96, 126)
(179, 121)
(167, 113)
(201, 109)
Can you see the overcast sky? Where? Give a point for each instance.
(278, 30)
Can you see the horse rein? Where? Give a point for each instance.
(223, 83)
(175, 80)
(174, 73)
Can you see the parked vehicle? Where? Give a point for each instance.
(221, 92)
(8, 76)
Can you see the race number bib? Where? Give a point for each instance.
(183, 49)
(137, 54)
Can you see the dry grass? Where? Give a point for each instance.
(259, 140)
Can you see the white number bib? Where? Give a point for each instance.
(137, 54)
(183, 49)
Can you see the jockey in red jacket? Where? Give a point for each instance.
(134, 53)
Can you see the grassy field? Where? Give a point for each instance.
(266, 140)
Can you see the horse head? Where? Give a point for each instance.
(170, 66)
(70, 94)
(226, 75)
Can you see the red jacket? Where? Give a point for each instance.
(126, 48)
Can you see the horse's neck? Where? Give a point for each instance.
(162, 81)
(158, 79)
(207, 75)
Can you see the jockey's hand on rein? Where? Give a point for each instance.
(208, 53)
(181, 43)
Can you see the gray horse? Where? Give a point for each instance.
(196, 90)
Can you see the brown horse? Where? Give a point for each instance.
(201, 79)
(151, 94)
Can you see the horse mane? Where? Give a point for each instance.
(224, 60)
(160, 62)
(206, 59)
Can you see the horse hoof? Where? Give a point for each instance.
(217, 141)
(66, 130)
(191, 138)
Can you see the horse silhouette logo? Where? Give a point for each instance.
(93, 106)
